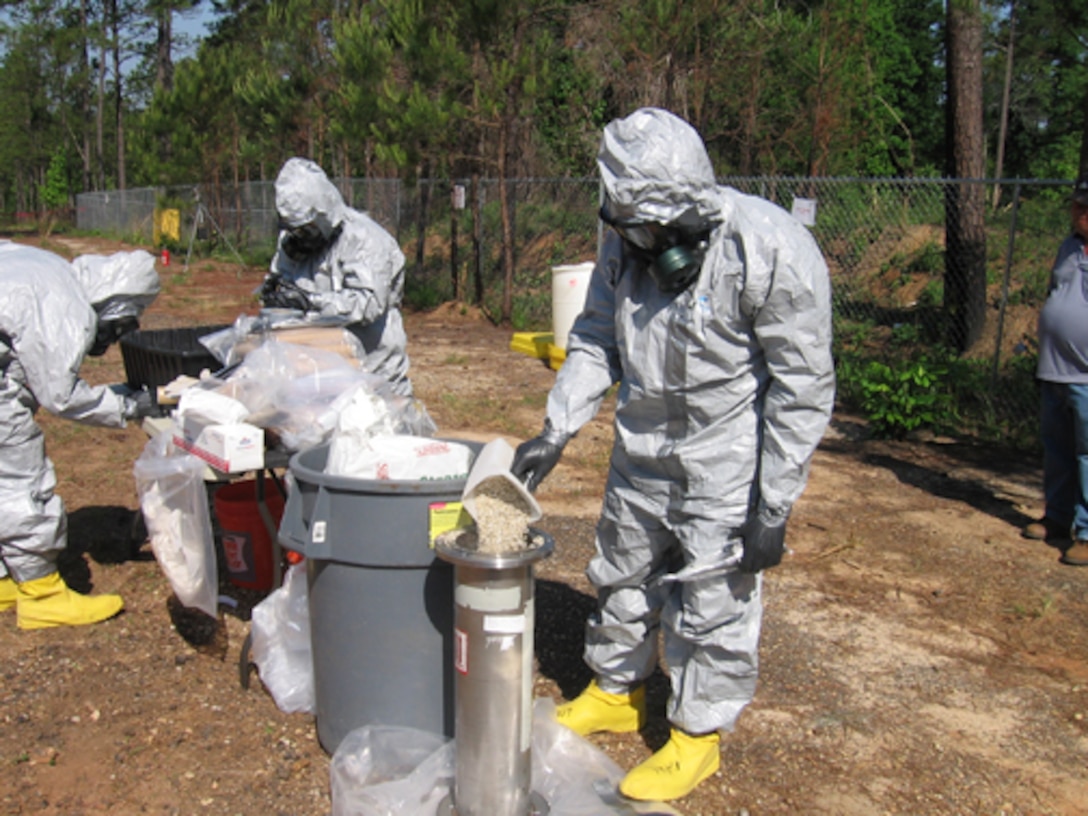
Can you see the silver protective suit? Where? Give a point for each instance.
(358, 277)
(119, 285)
(47, 324)
(724, 393)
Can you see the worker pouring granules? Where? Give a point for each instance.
(712, 310)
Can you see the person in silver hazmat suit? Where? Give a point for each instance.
(711, 310)
(52, 314)
(334, 262)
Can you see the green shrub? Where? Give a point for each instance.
(903, 398)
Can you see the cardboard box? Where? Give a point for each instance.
(229, 448)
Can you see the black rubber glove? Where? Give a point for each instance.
(139, 404)
(270, 285)
(764, 540)
(288, 296)
(534, 459)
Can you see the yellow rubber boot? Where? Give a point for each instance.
(674, 771)
(47, 602)
(594, 710)
(8, 593)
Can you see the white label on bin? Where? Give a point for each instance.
(317, 535)
(460, 650)
(484, 599)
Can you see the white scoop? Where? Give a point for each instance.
(493, 462)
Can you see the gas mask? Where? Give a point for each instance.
(109, 332)
(675, 256)
(306, 241)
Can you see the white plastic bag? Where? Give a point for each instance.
(281, 643)
(174, 502)
(363, 416)
(405, 457)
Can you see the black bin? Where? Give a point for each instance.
(156, 357)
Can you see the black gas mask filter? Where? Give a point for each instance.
(675, 256)
(110, 331)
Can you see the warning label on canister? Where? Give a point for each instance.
(446, 516)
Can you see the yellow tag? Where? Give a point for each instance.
(446, 516)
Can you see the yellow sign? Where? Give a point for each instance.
(167, 225)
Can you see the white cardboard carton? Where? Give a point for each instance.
(232, 447)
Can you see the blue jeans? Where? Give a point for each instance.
(1064, 430)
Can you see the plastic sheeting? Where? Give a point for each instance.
(174, 502)
(281, 644)
(385, 771)
(299, 392)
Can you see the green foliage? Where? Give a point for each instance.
(903, 398)
(933, 293)
(423, 293)
(483, 87)
(905, 383)
(927, 261)
(55, 190)
(532, 311)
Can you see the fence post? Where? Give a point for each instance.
(1005, 286)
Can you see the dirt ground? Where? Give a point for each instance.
(918, 655)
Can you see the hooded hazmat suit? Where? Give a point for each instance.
(353, 270)
(47, 326)
(725, 389)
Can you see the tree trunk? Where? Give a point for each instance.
(965, 256)
(118, 91)
(1003, 129)
(85, 99)
(1082, 171)
(477, 239)
(164, 41)
(455, 216)
(100, 122)
(164, 69)
(507, 224)
(422, 216)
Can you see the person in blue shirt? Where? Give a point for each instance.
(1063, 375)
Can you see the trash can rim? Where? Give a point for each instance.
(310, 475)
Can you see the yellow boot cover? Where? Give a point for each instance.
(594, 710)
(8, 593)
(47, 602)
(675, 770)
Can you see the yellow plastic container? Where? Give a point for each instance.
(535, 344)
(556, 357)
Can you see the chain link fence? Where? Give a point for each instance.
(884, 240)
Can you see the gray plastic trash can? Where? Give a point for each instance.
(381, 602)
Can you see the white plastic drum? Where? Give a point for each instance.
(569, 285)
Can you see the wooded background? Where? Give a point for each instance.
(485, 93)
(94, 98)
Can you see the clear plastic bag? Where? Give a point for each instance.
(381, 770)
(280, 626)
(174, 502)
(387, 771)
